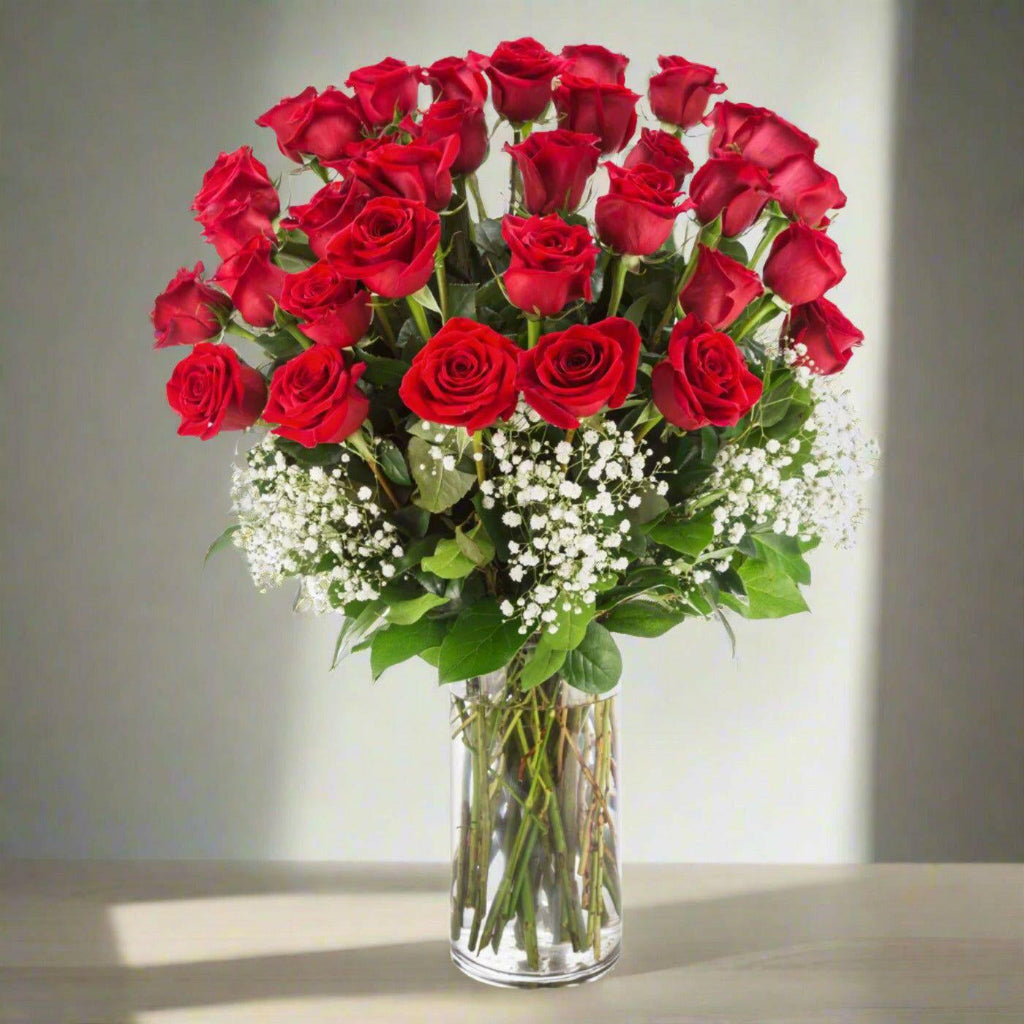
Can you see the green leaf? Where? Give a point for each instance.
(398, 643)
(489, 240)
(475, 545)
(357, 625)
(542, 664)
(462, 300)
(432, 655)
(383, 371)
(409, 340)
(482, 640)
(790, 423)
(570, 625)
(733, 249)
(319, 455)
(775, 404)
(406, 612)
(425, 297)
(225, 540)
(784, 553)
(771, 594)
(594, 666)
(635, 313)
(438, 488)
(278, 345)
(496, 529)
(448, 561)
(392, 462)
(651, 506)
(689, 536)
(643, 618)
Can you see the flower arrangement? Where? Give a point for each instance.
(495, 442)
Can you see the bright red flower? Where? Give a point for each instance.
(417, 170)
(555, 167)
(596, 63)
(806, 191)
(457, 78)
(732, 186)
(803, 264)
(184, 312)
(680, 92)
(521, 73)
(720, 288)
(385, 91)
(332, 310)
(332, 208)
(253, 281)
(596, 108)
(447, 118)
(638, 213)
(759, 134)
(825, 333)
(661, 150)
(320, 124)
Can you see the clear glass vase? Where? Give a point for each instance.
(536, 888)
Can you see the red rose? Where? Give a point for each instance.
(212, 390)
(638, 213)
(252, 281)
(759, 134)
(455, 78)
(465, 376)
(183, 313)
(389, 246)
(661, 150)
(417, 170)
(803, 264)
(595, 63)
(237, 201)
(720, 288)
(320, 124)
(704, 380)
(521, 74)
(575, 373)
(805, 190)
(551, 263)
(314, 399)
(555, 167)
(332, 208)
(734, 187)
(386, 90)
(333, 310)
(447, 118)
(826, 334)
(680, 92)
(603, 109)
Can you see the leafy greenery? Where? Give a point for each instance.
(481, 640)
(596, 664)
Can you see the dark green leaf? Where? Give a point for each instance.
(319, 455)
(481, 640)
(475, 545)
(399, 643)
(541, 665)
(383, 371)
(595, 665)
(785, 554)
(392, 462)
(688, 536)
(462, 300)
(641, 617)
(635, 313)
(438, 488)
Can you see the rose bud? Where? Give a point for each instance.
(720, 288)
(416, 170)
(389, 246)
(330, 209)
(597, 108)
(638, 213)
(555, 167)
(332, 310)
(319, 124)
(575, 373)
(456, 78)
(385, 91)
(680, 92)
(185, 311)
(806, 191)
(803, 264)
(825, 333)
(732, 186)
(759, 134)
(314, 399)
(595, 63)
(212, 390)
(661, 150)
(465, 376)
(551, 263)
(236, 202)
(521, 72)
(252, 281)
(704, 380)
(467, 123)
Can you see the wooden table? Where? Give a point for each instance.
(148, 942)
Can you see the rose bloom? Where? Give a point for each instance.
(661, 150)
(314, 399)
(596, 63)
(389, 246)
(212, 390)
(826, 334)
(803, 264)
(447, 118)
(806, 191)
(638, 213)
(575, 373)
(551, 263)
(237, 201)
(603, 109)
(720, 288)
(465, 376)
(704, 379)
(555, 167)
(184, 312)
(679, 94)
(332, 208)
(456, 78)
(732, 186)
(252, 281)
(332, 310)
(759, 134)
(521, 73)
(321, 124)
(417, 170)
(386, 90)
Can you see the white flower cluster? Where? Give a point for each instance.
(566, 505)
(311, 522)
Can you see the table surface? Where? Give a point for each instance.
(148, 942)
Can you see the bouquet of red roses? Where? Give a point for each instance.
(494, 442)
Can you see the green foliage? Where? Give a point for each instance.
(475, 545)
(570, 626)
(481, 640)
(437, 488)
(448, 561)
(225, 540)
(643, 617)
(687, 536)
(393, 464)
(770, 592)
(398, 643)
(596, 664)
(383, 371)
(544, 661)
(462, 300)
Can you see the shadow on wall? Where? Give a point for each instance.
(949, 759)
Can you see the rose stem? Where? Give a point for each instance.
(478, 455)
(298, 335)
(684, 280)
(420, 316)
(461, 872)
(474, 189)
(358, 442)
(533, 324)
(617, 284)
(776, 225)
(767, 311)
(232, 328)
(442, 284)
(381, 316)
(528, 917)
(483, 835)
(517, 137)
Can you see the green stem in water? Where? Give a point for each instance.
(442, 284)
(618, 281)
(420, 316)
(775, 228)
(533, 325)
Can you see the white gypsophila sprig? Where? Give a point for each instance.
(566, 506)
(311, 522)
